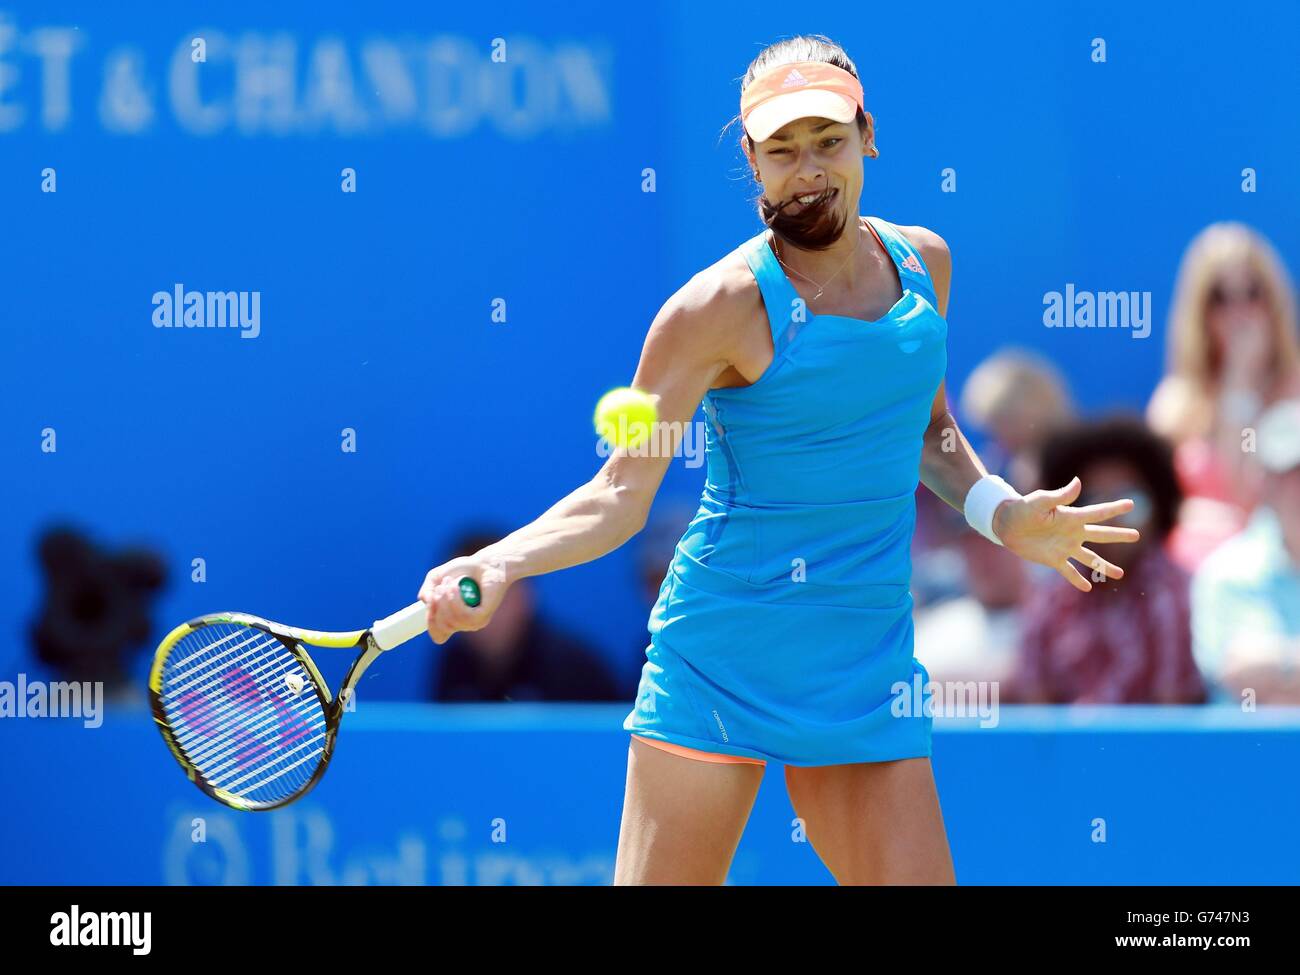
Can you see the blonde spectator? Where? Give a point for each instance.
(1019, 398)
(1233, 350)
(1246, 595)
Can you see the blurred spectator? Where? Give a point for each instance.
(974, 637)
(656, 544)
(1233, 350)
(654, 551)
(1246, 595)
(1129, 640)
(1017, 398)
(938, 569)
(96, 611)
(1020, 399)
(518, 656)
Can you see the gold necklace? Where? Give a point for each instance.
(821, 287)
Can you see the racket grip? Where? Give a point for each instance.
(407, 624)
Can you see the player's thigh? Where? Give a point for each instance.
(682, 818)
(874, 822)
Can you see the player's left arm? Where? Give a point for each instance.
(1041, 526)
(949, 465)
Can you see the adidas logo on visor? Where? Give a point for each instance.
(794, 78)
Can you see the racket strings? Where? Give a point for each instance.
(227, 743)
(242, 724)
(244, 711)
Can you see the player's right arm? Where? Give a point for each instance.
(689, 344)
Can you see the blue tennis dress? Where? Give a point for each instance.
(783, 628)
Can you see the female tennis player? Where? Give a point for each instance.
(783, 629)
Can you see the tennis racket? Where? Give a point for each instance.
(243, 708)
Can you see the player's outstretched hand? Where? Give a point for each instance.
(447, 610)
(1043, 528)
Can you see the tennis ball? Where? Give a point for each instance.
(624, 417)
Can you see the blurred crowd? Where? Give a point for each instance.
(1209, 606)
(1208, 609)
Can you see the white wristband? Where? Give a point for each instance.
(983, 499)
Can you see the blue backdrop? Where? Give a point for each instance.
(529, 794)
(523, 180)
(521, 184)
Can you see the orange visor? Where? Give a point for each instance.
(808, 89)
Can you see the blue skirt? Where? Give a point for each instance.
(794, 673)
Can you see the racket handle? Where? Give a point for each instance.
(407, 624)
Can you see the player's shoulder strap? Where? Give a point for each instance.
(911, 266)
(779, 296)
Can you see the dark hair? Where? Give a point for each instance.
(815, 227)
(1126, 439)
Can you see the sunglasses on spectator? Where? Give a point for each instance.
(1249, 295)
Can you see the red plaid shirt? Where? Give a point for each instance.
(1127, 644)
